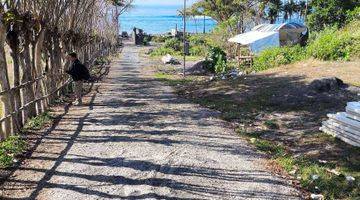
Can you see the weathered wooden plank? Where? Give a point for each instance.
(350, 130)
(345, 125)
(347, 132)
(353, 116)
(353, 107)
(342, 118)
(332, 132)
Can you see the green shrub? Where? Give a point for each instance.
(147, 40)
(217, 62)
(330, 45)
(274, 57)
(161, 51)
(354, 31)
(329, 13)
(174, 44)
(353, 14)
(197, 39)
(198, 50)
(171, 46)
(160, 38)
(9, 148)
(39, 121)
(221, 65)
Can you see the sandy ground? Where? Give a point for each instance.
(135, 139)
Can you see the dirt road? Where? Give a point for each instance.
(135, 139)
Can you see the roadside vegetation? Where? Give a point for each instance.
(199, 46)
(274, 109)
(15, 145)
(9, 149)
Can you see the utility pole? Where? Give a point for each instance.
(204, 31)
(184, 36)
(306, 10)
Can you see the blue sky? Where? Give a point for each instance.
(162, 2)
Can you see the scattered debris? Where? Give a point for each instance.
(327, 84)
(317, 196)
(350, 179)
(314, 177)
(317, 189)
(259, 116)
(168, 59)
(293, 172)
(323, 161)
(233, 74)
(333, 171)
(253, 140)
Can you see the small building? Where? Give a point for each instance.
(265, 36)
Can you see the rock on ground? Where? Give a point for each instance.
(135, 139)
(326, 84)
(168, 59)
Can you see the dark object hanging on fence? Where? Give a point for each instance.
(78, 71)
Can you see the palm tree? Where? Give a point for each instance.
(274, 8)
(289, 8)
(302, 9)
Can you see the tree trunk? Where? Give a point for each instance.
(39, 86)
(4, 82)
(13, 41)
(58, 60)
(28, 91)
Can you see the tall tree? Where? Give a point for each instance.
(330, 13)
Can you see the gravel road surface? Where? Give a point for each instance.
(135, 139)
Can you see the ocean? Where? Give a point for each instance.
(158, 19)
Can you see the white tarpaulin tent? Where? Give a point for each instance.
(257, 40)
(271, 35)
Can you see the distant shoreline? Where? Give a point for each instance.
(157, 19)
(164, 24)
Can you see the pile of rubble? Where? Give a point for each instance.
(345, 125)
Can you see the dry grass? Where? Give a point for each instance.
(311, 69)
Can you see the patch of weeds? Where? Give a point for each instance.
(286, 162)
(276, 150)
(38, 122)
(172, 80)
(254, 134)
(271, 124)
(9, 148)
(316, 179)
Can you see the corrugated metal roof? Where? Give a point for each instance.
(277, 27)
